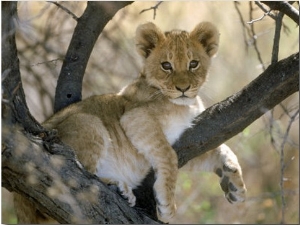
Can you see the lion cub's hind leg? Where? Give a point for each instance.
(87, 135)
(224, 163)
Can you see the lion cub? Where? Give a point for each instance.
(119, 137)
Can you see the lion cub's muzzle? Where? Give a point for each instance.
(183, 90)
(183, 95)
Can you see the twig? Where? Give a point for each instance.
(270, 14)
(278, 25)
(49, 61)
(65, 9)
(283, 166)
(285, 8)
(261, 6)
(254, 37)
(243, 24)
(260, 18)
(154, 9)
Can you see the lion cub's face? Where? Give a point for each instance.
(176, 62)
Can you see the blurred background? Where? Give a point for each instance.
(270, 162)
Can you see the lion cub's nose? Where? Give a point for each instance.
(183, 89)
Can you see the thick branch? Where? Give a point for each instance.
(224, 120)
(285, 8)
(12, 92)
(89, 27)
(58, 186)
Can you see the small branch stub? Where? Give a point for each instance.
(154, 8)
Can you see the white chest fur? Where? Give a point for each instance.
(175, 123)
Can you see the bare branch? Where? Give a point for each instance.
(261, 6)
(64, 9)
(154, 8)
(270, 14)
(254, 36)
(244, 27)
(49, 61)
(260, 18)
(278, 26)
(285, 8)
(283, 165)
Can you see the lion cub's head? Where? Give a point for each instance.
(176, 62)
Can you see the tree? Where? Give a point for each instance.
(30, 149)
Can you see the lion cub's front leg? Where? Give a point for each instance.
(224, 163)
(146, 135)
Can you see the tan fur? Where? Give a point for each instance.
(119, 137)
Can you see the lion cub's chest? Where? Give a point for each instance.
(179, 119)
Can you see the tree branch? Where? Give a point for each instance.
(64, 9)
(89, 27)
(254, 36)
(12, 90)
(268, 11)
(154, 8)
(285, 8)
(278, 25)
(47, 173)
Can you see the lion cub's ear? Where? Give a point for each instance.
(147, 37)
(208, 35)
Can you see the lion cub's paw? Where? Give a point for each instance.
(166, 212)
(165, 200)
(231, 180)
(127, 193)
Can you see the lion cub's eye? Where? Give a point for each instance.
(193, 64)
(166, 65)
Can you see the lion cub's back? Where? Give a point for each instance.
(84, 126)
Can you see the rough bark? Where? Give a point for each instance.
(47, 173)
(37, 165)
(12, 90)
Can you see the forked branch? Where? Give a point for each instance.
(154, 8)
(284, 7)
